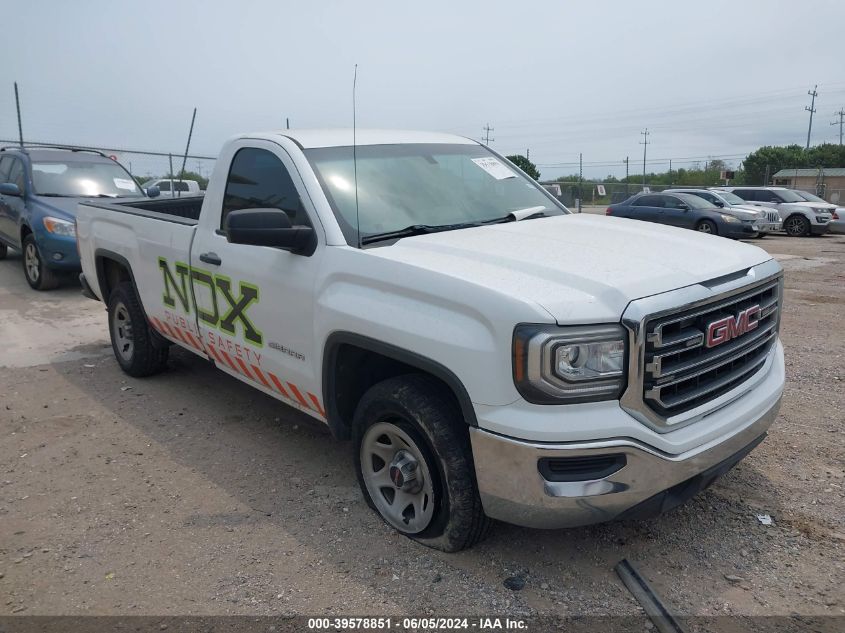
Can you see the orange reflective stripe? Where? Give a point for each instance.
(213, 353)
(246, 371)
(278, 384)
(317, 404)
(298, 395)
(261, 376)
(228, 360)
(193, 341)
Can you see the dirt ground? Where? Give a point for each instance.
(190, 493)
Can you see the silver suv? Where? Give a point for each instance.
(762, 220)
(799, 216)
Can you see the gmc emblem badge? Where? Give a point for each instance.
(724, 330)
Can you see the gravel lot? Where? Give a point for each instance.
(190, 493)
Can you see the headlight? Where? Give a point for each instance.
(554, 365)
(60, 227)
(729, 218)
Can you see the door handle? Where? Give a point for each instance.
(211, 258)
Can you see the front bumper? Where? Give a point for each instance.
(58, 251)
(819, 229)
(652, 480)
(837, 226)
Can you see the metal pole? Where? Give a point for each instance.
(287, 123)
(580, 178)
(811, 110)
(18, 106)
(185, 159)
(626, 175)
(170, 157)
(644, 143)
(670, 171)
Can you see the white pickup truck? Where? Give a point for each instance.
(491, 355)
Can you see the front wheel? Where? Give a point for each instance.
(38, 276)
(796, 226)
(707, 226)
(414, 463)
(131, 339)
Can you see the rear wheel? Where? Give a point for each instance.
(707, 226)
(414, 463)
(4, 250)
(38, 276)
(796, 226)
(131, 338)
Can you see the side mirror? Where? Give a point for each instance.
(719, 204)
(683, 207)
(153, 192)
(10, 189)
(269, 227)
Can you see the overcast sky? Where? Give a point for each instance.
(709, 78)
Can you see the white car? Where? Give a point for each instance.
(837, 222)
(168, 188)
(489, 354)
(799, 216)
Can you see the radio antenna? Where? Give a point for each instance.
(355, 155)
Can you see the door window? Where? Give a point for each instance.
(5, 164)
(671, 202)
(649, 201)
(258, 179)
(16, 174)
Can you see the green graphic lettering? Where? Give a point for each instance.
(170, 283)
(237, 309)
(204, 278)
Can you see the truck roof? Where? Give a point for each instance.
(342, 137)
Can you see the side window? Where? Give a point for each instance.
(649, 201)
(772, 197)
(258, 179)
(671, 202)
(706, 196)
(164, 185)
(746, 194)
(16, 174)
(5, 164)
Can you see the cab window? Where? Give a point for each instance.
(259, 179)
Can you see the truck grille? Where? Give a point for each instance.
(682, 372)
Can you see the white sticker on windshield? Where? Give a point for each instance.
(494, 167)
(124, 183)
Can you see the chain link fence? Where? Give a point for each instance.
(144, 165)
(602, 193)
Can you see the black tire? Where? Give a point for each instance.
(38, 276)
(133, 344)
(707, 226)
(4, 250)
(796, 226)
(422, 409)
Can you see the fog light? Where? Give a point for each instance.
(58, 257)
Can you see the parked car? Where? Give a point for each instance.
(489, 354)
(799, 216)
(685, 211)
(39, 191)
(168, 188)
(764, 220)
(837, 221)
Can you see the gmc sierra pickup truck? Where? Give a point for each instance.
(489, 354)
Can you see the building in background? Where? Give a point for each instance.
(827, 182)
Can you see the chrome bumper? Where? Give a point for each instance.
(513, 490)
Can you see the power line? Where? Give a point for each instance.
(841, 115)
(811, 109)
(487, 129)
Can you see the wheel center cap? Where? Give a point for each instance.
(404, 472)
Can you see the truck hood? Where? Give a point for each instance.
(579, 268)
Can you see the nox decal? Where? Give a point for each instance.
(226, 308)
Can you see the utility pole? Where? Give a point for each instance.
(644, 143)
(487, 129)
(626, 161)
(841, 115)
(670, 171)
(528, 151)
(18, 106)
(580, 178)
(811, 109)
(287, 123)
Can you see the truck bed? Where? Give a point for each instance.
(185, 210)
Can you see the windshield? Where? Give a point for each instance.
(809, 197)
(788, 196)
(730, 198)
(422, 184)
(82, 178)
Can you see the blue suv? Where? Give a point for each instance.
(39, 191)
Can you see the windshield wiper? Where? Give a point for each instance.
(416, 229)
(57, 195)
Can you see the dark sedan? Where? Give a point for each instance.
(682, 210)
